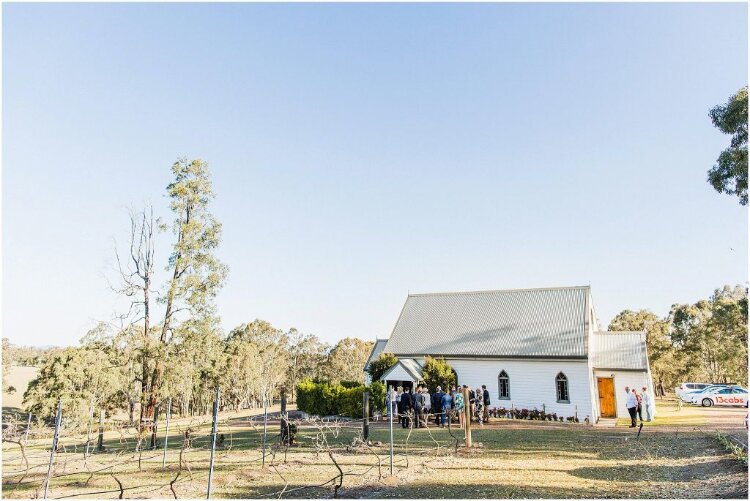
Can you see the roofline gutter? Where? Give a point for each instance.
(494, 357)
(619, 370)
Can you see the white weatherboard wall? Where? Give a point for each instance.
(632, 379)
(594, 392)
(532, 383)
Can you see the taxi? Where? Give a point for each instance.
(733, 395)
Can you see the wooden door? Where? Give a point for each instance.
(607, 396)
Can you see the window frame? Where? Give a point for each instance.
(503, 375)
(562, 378)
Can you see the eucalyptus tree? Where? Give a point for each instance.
(270, 344)
(196, 273)
(729, 174)
(347, 358)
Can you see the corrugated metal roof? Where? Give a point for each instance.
(377, 349)
(525, 323)
(619, 350)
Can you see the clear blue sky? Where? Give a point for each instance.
(360, 152)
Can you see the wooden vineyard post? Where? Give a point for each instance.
(213, 444)
(467, 418)
(366, 415)
(100, 440)
(166, 433)
(153, 429)
(55, 439)
(284, 431)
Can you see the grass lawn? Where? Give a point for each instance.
(670, 413)
(511, 460)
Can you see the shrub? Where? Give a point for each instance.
(326, 399)
(437, 372)
(377, 397)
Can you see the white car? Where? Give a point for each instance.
(733, 395)
(692, 396)
(686, 388)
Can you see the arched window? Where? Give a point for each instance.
(561, 382)
(503, 385)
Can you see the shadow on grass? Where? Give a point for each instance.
(668, 473)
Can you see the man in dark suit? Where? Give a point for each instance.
(404, 406)
(437, 404)
(418, 406)
(486, 397)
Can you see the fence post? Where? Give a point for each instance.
(166, 433)
(55, 438)
(28, 427)
(213, 444)
(390, 423)
(100, 441)
(265, 427)
(366, 415)
(283, 421)
(467, 409)
(153, 429)
(88, 432)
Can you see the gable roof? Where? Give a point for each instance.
(619, 350)
(377, 349)
(547, 322)
(405, 366)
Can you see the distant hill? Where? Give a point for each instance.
(19, 377)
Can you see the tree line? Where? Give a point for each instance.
(167, 343)
(704, 341)
(253, 364)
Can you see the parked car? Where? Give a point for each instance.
(686, 388)
(690, 396)
(733, 395)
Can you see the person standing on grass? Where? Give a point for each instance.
(632, 404)
(639, 398)
(446, 402)
(436, 399)
(396, 404)
(418, 406)
(458, 404)
(646, 403)
(427, 405)
(486, 403)
(479, 409)
(404, 409)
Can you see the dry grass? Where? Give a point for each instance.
(19, 377)
(513, 460)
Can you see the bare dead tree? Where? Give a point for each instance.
(23, 455)
(136, 275)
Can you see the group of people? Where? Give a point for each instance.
(636, 403)
(416, 407)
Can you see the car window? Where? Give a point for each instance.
(690, 386)
(725, 390)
